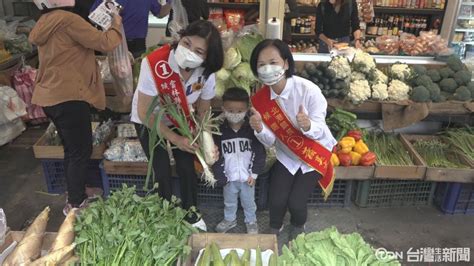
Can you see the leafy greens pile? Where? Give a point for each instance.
(331, 248)
(131, 230)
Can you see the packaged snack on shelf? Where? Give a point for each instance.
(409, 44)
(366, 10)
(427, 40)
(388, 44)
(234, 19)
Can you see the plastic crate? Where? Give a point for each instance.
(53, 171)
(206, 196)
(340, 195)
(455, 198)
(393, 193)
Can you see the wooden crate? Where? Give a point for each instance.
(405, 172)
(125, 168)
(354, 172)
(444, 174)
(42, 150)
(244, 241)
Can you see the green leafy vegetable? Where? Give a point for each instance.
(389, 149)
(246, 44)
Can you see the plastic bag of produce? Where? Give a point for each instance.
(11, 105)
(409, 44)
(180, 19)
(388, 44)
(121, 68)
(9, 131)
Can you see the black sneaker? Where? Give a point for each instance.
(295, 231)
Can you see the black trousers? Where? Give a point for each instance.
(136, 46)
(162, 170)
(290, 192)
(73, 123)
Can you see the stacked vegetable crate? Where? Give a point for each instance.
(396, 185)
(114, 174)
(52, 161)
(455, 198)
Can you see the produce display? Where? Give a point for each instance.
(388, 149)
(236, 71)
(461, 141)
(340, 122)
(436, 153)
(331, 248)
(351, 150)
(212, 255)
(131, 230)
(125, 150)
(325, 77)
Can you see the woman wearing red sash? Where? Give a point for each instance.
(185, 72)
(289, 112)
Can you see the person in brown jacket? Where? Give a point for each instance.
(69, 82)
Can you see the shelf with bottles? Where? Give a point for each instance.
(411, 4)
(304, 46)
(396, 24)
(302, 26)
(410, 11)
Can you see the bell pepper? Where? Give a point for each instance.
(344, 158)
(355, 158)
(356, 134)
(346, 144)
(335, 160)
(368, 159)
(360, 147)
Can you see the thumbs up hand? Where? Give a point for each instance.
(256, 120)
(303, 120)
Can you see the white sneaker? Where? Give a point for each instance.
(201, 225)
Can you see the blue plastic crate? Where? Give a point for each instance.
(455, 198)
(53, 171)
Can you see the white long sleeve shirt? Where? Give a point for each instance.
(299, 91)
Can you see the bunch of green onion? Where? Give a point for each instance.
(437, 154)
(461, 141)
(389, 149)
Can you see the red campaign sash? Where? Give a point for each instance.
(309, 151)
(167, 81)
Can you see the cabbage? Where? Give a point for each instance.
(243, 77)
(232, 58)
(246, 44)
(220, 88)
(223, 74)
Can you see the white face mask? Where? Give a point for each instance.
(187, 58)
(271, 74)
(234, 118)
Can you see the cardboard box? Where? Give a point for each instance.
(244, 241)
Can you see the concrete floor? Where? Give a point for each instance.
(22, 197)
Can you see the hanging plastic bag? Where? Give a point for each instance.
(180, 19)
(121, 68)
(24, 82)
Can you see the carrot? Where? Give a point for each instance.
(66, 232)
(29, 247)
(54, 257)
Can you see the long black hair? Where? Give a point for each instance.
(215, 53)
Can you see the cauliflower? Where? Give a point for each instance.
(363, 62)
(359, 91)
(377, 76)
(398, 90)
(341, 66)
(355, 75)
(401, 72)
(380, 91)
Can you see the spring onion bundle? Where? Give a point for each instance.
(461, 141)
(437, 154)
(131, 230)
(200, 135)
(389, 149)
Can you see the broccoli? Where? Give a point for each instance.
(419, 69)
(423, 80)
(304, 74)
(462, 94)
(434, 75)
(310, 68)
(455, 63)
(446, 72)
(448, 85)
(470, 86)
(330, 73)
(420, 94)
(435, 92)
(463, 77)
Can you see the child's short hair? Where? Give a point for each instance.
(236, 94)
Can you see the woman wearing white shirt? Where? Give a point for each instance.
(300, 140)
(188, 68)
